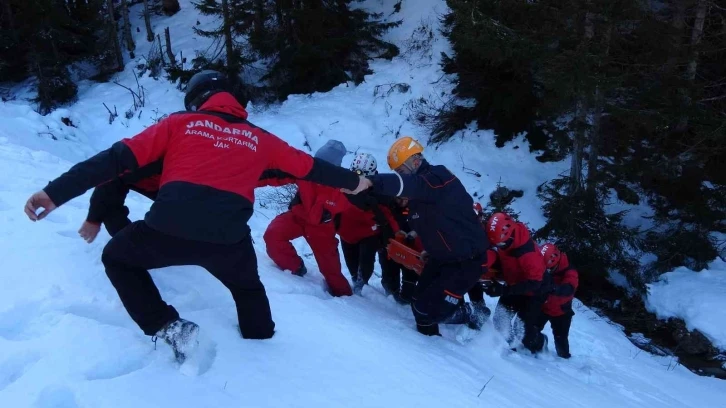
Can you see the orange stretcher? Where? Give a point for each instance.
(402, 254)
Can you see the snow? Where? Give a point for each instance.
(696, 297)
(66, 341)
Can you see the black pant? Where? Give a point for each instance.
(528, 309)
(395, 278)
(476, 293)
(440, 291)
(137, 248)
(116, 219)
(560, 330)
(361, 257)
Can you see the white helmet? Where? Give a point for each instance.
(364, 163)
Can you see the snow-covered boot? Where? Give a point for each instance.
(478, 315)
(562, 345)
(358, 286)
(545, 342)
(181, 335)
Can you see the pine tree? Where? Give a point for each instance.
(321, 44)
(310, 45)
(595, 241)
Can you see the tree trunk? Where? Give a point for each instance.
(581, 113)
(170, 7)
(259, 18)
(113, 33)
(128, 37)
(169, 52)
(228, 44)
(147, 21)
(678, 23)
(284, 10)
(696, 35)
(9, 20)
(692, 67)
(578, 146)
(599, 101)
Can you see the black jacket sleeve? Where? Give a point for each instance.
(564, 290)
(405, 185)
(87, 174)
(331, 175)
(106, 197)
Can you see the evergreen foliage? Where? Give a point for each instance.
(635, 92)
(310, 45)
(595, 241)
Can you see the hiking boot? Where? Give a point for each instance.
(301, 271)
(181, 335)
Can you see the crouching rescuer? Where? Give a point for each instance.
(522, 268)
(455, 243)
(213, 158)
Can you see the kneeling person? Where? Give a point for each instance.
(440, 213)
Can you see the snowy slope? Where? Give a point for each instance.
(696, 297)
(66, 341)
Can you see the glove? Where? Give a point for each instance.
(327, 217)
(410, 239)
(407, 238)
(546, 289)
(496, 289)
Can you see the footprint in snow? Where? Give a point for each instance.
(126, 364)
(56, 396)
(15, 366)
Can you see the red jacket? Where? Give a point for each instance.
(492, 270)
(313, 203)
(356, 224)
(213, 159)
(566, 280)
(522, 265)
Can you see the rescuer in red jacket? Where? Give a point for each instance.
(311, 216)
(213, 158)
(522, 268)
(558, 306)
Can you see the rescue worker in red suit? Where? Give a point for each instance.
(557, 309)
(396, 279)
(523, 269)
(213, 158)
(440, 213)
(364, 228)
(311, 216)
(107, 201)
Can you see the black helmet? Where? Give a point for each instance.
(202, 86)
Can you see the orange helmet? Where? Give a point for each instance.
(401, 150)
(551, 255)
(500, 228)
